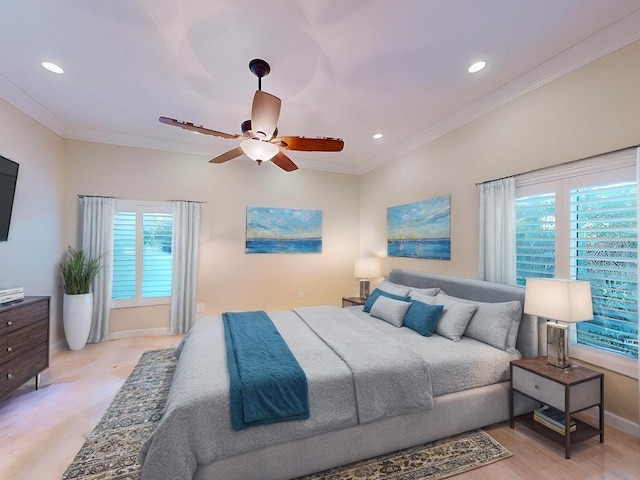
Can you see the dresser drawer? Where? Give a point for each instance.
(20, 369)
(21, 317)
(17, 342)
(552, 393)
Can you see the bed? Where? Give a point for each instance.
(353, 414)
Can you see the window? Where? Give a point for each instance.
(579, 221)
(142, 256)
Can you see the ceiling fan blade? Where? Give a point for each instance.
(304, 144)
(196, 128)
(225, 157)
(265, 111)
(284, 162)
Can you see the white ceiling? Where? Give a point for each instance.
(342, 68)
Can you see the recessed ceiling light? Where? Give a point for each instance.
(377, 135)
(52, 67)
(476, 67)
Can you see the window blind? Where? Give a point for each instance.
(535, 237)
(603, 239)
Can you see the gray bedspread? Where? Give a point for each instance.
(196, 428)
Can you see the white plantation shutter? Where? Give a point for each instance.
(535, 237)
(156, 255)
(124, 256)
(604, 240)
(142, 260)
(579, 221)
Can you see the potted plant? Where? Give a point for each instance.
(78, 272)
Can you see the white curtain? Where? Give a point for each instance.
(497, 242)
(186, 226)
(97, 242)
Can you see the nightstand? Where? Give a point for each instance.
(352, 301)
(571, 390)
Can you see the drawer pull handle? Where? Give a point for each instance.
(9, 324)
(536, 386)
(9, 349)
(9, 376)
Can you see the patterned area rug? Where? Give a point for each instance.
(111, 450)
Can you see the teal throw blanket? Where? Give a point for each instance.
(267, 383)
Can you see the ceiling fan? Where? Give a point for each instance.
(261, 141)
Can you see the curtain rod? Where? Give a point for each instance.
(118, 198)
(552, 166)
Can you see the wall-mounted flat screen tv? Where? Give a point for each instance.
(8, 179)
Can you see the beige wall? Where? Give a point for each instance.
(592, 110)
(228, 279)
(30, 256)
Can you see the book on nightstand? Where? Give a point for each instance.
(552, 418)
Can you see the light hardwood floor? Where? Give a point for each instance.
(41, 431)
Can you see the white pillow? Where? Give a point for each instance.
(455, 317)
(390, 310)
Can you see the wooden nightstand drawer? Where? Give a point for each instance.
(552, 393)
(540, 388)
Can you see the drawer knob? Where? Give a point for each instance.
(536, 386)
(9, 324)
(9, 376)
(9, 349)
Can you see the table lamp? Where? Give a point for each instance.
(561, 302)
(365, 269)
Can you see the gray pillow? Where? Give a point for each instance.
(394, 288)
(390, 310)
(430, 292)
(455, 317)
(422, 298)
(496, 324)
(492, 322)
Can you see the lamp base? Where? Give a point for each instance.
(364, 289)
(558, 345)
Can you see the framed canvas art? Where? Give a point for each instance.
(420, 229)
(283, 230)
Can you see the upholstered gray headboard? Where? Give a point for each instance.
(530, 342)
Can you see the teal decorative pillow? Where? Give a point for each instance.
(374, 296)
(423, 318)
(390, 310)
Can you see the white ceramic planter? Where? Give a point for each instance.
(76, 317)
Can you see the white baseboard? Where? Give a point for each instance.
(615, 421)
(147, 332)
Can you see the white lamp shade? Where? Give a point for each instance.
(259, 150)
(558, 299)
(367, 268)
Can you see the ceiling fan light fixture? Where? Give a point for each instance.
(259, 150)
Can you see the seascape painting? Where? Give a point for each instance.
(283, 230)
(420, 229)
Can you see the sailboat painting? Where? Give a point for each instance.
(420, 229)
(283, 230)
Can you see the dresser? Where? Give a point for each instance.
(24, 342)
